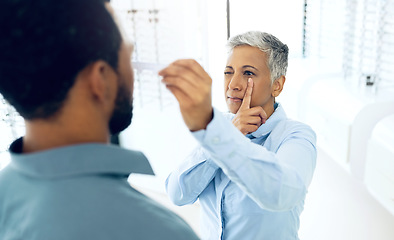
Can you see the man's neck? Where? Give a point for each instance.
(43, 135)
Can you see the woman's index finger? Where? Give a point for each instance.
(248, 95)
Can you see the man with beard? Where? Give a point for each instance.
(65, 67)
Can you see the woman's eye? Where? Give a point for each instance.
(249, 73)
(227, 73)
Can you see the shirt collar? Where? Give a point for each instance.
(81, 159)
(266, 128)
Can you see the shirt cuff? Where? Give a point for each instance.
(201, 135)
(219, 138)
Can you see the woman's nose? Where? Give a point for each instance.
(236, 83)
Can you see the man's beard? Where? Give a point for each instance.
(123, 112)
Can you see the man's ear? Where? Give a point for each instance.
(277, 86)
(102, 81)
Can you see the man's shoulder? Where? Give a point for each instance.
(135, 214)
(164, 223)
(106, 201)
(7, 174)
(97, 207)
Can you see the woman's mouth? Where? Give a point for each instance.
(234, 99)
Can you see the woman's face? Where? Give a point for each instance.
(243, 63)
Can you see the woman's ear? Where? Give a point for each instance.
(277, 86)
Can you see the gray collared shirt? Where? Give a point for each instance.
(81, 192)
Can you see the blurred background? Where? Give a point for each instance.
(340, 81)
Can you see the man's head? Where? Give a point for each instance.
(45, 44)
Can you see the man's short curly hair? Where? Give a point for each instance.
(44, 44)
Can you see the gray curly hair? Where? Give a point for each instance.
(277, 52)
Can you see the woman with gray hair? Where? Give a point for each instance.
(253, 167)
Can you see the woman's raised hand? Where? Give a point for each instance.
(191, 86)
(248, 119)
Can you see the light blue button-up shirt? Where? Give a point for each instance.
(250, 188)
(81, 192)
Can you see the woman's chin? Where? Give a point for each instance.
(233, 109)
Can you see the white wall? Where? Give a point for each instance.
(282, 18)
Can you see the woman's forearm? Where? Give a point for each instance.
(186, 183)
(276, 180)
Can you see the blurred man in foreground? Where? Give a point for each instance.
(65, 67)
